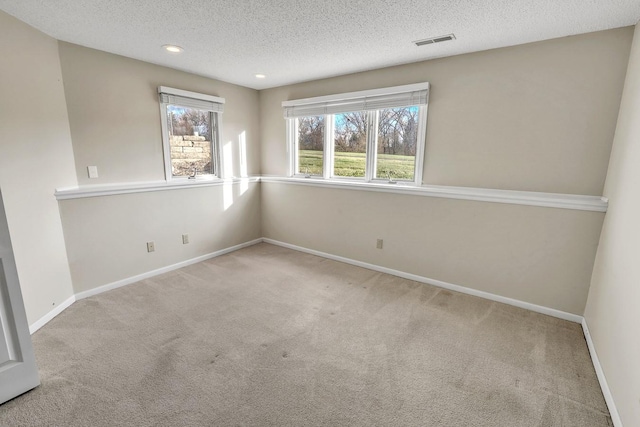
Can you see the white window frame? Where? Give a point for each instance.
(213, 104)
(371, 101)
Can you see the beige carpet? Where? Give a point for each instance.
(267, 336)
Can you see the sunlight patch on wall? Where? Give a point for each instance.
(227, 159)
(227, 195)
(227, 189)
(242, 148)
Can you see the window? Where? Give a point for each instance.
(190, 133)
(310, 136)
(397, 143)
(350, 144)
(372, 136)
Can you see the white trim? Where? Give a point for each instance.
(371, 148)
(358, 94)
(189, 94)
(144, 187)
(418, 167)
(81, 295)
(292, 131)
(142, 276)
(606, 391)
(166, 145)
(50, 315)
(439, 283)
(329, 146)
(529, 198)
(615, 417)
(216, 149)
(517, 303)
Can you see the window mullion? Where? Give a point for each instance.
(295, 165)
(292, 145)
(216, 155)
(213, 137)
(420, 144)
(372, 125)
(166, 148)
(328, 146)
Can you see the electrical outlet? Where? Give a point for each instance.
(379, 244)
(151, 247)
(185, 239)
(92, 171)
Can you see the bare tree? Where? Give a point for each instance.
(311, 133)
(351, 132)
(397, 131)
(187, 121)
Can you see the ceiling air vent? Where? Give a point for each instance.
(433, 40)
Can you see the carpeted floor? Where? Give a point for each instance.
(267, 336)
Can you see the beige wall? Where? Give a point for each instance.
(106, 236)
(115, 124)
(115, 116)
(536, 117)
(538, 255)
(35, 157)
(613, 308)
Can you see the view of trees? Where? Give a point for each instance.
(398, 131)
(397, 137)
(188, 121)
(310, 141)
(311, 133)
(351, 132)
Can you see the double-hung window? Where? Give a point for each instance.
(190, 133)
(373, 136)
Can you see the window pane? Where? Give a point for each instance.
(310, 145)
(350, 144)
(397, 143)
(190, 133)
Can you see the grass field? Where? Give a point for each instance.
(352, 164)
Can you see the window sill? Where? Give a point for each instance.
(356, 180)
(529, 198)
(144, 187)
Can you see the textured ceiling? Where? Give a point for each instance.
(298, 40)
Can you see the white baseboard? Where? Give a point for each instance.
(439, 283)
(615, 417)
(81, 295)
(138, 277)
(50, 315)
(510, 301)
(606, 391)
(517, 303)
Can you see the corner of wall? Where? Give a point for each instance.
(42, 129)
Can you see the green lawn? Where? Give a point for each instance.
(352, 164)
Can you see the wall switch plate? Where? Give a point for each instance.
(93, 171)
(185, 239)
(151, 247)
(379, 244)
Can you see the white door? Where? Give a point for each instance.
(18, 371)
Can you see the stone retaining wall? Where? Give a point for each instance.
(189, 152)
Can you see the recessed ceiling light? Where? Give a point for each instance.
(172, 48)
(260, 76)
